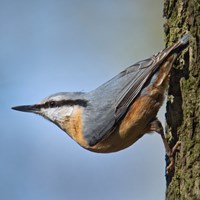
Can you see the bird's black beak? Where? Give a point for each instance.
(27, 108)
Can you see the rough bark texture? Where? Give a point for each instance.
(183, 106)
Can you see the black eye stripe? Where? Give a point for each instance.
(53, 104)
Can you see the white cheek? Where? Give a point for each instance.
(58, 113)
(66, 111)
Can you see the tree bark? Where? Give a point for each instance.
(183, 105)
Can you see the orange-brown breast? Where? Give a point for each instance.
(74, 127)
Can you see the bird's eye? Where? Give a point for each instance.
(51, 104)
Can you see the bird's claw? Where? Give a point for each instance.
(171, 154)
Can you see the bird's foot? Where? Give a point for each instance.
(171, 153)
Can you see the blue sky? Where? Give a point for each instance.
(53, 46)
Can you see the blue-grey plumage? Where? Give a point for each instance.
(119, 112)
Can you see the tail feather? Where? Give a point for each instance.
(179, 46)
(185, 39)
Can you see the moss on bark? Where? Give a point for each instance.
(183, 111)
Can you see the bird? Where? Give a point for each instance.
(116, 114)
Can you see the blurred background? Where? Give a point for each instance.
(72, 45)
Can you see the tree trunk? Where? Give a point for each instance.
(183, 106)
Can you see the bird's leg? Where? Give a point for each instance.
(157, 127)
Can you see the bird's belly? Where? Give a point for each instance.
(133, 126)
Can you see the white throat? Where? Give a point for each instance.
(58, 113)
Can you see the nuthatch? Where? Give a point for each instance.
(119, 112)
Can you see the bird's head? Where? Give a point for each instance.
(57, 108)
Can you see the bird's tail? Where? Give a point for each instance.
(178, 46)
(185, 39)
(168, 56)
(174, 49)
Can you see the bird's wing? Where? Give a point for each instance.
(112, 99)
(140, 72)
(110, 102)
